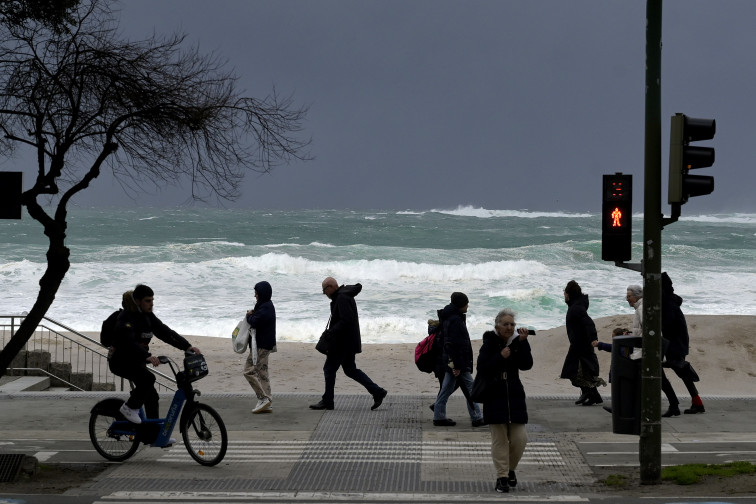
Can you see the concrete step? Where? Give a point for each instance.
(25, 384)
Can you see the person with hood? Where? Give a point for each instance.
(501, 358)
(675, 332)
(135, 327)
(346, 343)
(262, 318)
(458, 360)
(581, 365)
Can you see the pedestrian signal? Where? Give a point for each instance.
(616, 217)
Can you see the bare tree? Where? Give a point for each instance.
(152, 111)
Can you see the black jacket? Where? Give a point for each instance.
(507, 404)
(457, 346)
(674, 326)
(581, 331)
(345, 323)
(263, 317)
(134, 330)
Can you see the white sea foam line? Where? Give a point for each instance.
(197, 497)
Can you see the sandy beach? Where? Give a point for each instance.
(722, 351)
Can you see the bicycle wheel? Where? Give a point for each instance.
(115, 447)
(204, 435)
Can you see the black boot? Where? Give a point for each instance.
(593, 397)
(584, 396)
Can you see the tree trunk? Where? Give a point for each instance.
(57, 267)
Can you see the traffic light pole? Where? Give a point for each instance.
(649, 446)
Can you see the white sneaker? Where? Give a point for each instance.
(262, 405)
(132, 415)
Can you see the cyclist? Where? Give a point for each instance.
(135, 327)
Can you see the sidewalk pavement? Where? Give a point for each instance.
(394, 449)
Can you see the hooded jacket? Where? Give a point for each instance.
(674, 326)
(507, 403)
(457, 346)
(263, 317)
(345, 323)
(134, 330)
(581, 331)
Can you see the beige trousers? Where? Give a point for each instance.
(257, 374)
(507, 446)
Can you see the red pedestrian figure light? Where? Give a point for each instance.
(616, 216)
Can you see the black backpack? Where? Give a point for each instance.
(107, 333)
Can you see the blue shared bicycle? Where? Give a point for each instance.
(202, 429)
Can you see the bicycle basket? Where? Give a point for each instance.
(195, 367)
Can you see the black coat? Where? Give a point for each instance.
(581, 331)
(345, 323)
(263, 318)
(674, 326)
(133, 332)
(457, 346)
(507, 404)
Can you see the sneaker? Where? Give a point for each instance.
(694, 409)
(132, 415)
(444, 422)
(170, 443)
(378, 399)
(262, 405)
(321, 406)
(501, 485)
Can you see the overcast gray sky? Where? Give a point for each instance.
(491, 103)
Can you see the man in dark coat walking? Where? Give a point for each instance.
(344, 328)
(458, 361)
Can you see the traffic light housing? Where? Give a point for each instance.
(683, 157)
(10, 195)
(616, 217)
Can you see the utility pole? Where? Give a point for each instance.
(649, 445)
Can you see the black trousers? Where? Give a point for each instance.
(143, 393)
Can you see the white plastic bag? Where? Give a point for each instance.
(240, 337)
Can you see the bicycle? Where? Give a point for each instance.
(201, 427)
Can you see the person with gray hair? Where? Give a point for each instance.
(505, 352)
(635, 299)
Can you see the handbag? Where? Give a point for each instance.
(480, 390)
(326, 340)
(240, 336)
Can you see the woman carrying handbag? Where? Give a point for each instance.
(503, 355)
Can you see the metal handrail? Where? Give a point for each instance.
(90, 354)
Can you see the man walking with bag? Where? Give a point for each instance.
(343, 334)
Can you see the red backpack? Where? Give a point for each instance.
(426, 351)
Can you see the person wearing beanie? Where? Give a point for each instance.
(581, 365)
(458, 357)
(134, 328)
(262, 318)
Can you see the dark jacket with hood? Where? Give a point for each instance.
(133, 331)
(345, 323)
(263, 317)
(507, 403)
(674, 326)
(457, 346)
(581, 331)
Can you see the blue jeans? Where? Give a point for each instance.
(450, 381)
(345, 361)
